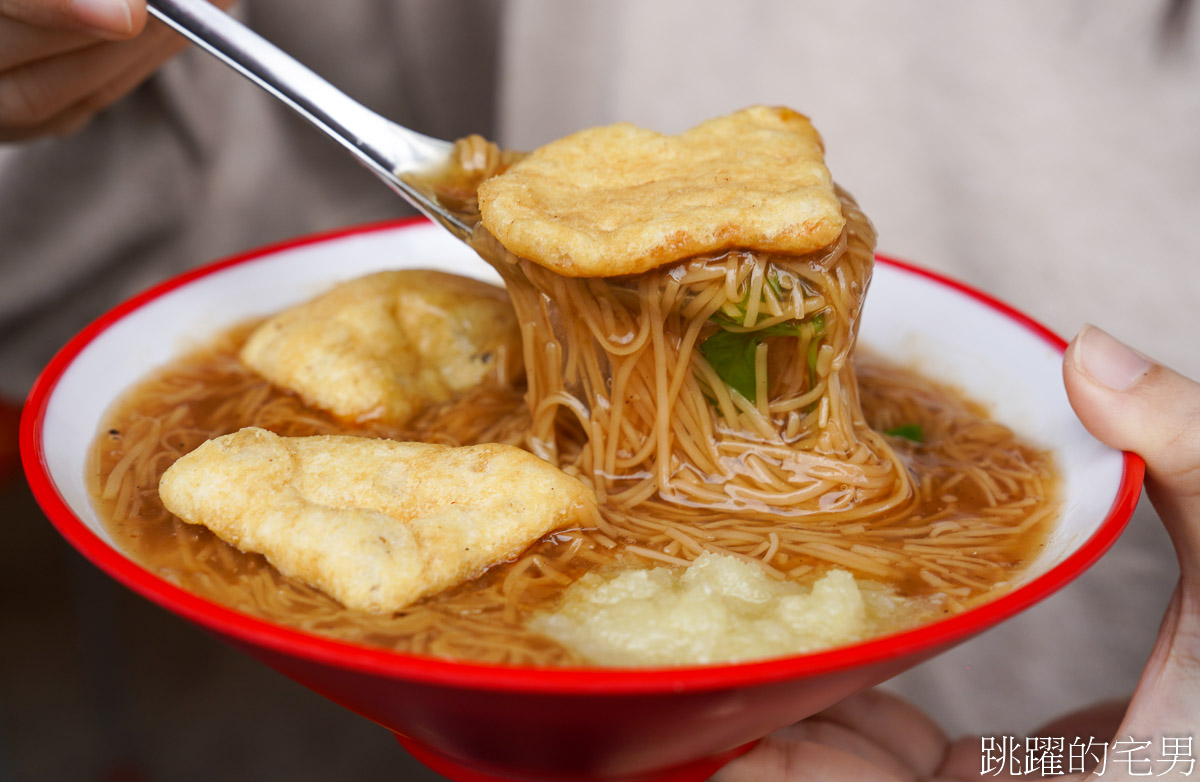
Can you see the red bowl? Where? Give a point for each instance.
(472, 721)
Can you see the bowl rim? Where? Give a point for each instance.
(378, 661)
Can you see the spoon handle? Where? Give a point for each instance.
(388, 149)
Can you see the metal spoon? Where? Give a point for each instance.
(392, 152)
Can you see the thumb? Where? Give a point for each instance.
(1130, 402)
(114, 19)
(110, 18)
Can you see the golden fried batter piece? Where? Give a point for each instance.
(621, 200)
(387, 345)
(376, 524)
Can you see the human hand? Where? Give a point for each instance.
(1130, 403)
(61, 61)
(870, 737)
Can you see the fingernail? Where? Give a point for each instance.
(1107, 360)
(104, 16)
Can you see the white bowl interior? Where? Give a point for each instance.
(954, 337)
(920, 322)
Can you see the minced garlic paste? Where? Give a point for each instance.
(719, 609)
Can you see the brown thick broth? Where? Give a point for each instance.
(209, 392)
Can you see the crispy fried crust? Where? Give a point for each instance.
(621, 200)
(376, 524)
(386, 345)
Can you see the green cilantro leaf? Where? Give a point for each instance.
(731, 354)
(774, 284)
(788, 328)
(912, 432)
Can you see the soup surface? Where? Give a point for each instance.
(984, 502)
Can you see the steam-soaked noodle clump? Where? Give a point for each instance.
(716, 388)
(695, 370)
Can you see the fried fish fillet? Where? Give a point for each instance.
(622, 200)
(376, 524)
(387, 345)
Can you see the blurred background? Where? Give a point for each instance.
(1045, 153)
